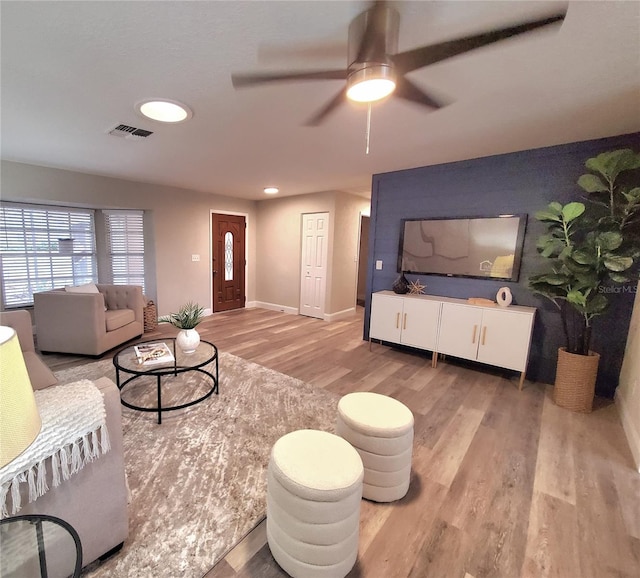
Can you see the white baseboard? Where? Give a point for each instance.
(294, 311)
(250, 304)
(276, 307)
(344, 314)
(633, 435)
(208, 311)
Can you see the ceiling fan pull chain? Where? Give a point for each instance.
(368, 131)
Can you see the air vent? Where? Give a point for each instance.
(130, 132)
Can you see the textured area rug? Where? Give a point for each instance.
(198, 480)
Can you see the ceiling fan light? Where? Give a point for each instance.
(371, 83)
(371, 90)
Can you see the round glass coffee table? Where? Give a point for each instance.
(183, 381)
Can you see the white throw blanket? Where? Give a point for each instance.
(72, 417)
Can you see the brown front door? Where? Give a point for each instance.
(228, 233)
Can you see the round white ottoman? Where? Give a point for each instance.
(381, 430)
(314, 490)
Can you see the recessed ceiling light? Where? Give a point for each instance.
(164, 110)
(271, 190)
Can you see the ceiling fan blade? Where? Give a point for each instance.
(242, 80)
(408, 91)
(425, 55)
(373, 38)
(336, 101)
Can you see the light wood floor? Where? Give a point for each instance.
(504, 483)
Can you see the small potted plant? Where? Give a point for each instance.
(589, 247)
(186, 319)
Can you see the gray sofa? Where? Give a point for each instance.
(39, 374)
(93, 500)
(88, 323)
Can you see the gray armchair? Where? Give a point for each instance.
(88, 323)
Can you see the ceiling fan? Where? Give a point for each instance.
(375, 67)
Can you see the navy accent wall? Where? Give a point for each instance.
(522, 182)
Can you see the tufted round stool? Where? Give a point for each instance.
(381, 430)
(314, 490)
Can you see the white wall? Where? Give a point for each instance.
(279, 247)
(280, 243)
(180, 218)
(346, 248)
(628, 392)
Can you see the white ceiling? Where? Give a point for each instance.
(73, 70)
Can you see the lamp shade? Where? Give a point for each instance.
(19, 418)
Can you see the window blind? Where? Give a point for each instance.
(125, 246)
(42, 248)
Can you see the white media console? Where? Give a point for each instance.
(494, 335)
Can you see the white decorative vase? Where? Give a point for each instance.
(504, 297)
(188, 340)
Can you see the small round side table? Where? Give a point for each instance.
(37, 543)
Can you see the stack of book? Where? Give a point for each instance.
(153, 354)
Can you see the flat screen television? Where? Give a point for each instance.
(477, 247)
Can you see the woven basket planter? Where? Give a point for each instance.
(150, 317)
(576, 380)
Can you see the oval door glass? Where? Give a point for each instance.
(228, 256)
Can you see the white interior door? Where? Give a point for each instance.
(315, 239)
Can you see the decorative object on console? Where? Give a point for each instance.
(589, 248)
(416, 288)
(504, 297)
(19, 417)
(186, 319)
(481, 301)
(400, 285)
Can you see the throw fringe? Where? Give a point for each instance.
(104, 435)
(3, 501)
(42, 486)
(65, 462)
(55, 469)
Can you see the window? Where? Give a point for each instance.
(125, 246)
(42, 248)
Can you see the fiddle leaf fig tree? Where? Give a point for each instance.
(590, 246)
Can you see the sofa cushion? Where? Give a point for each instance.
(117, 318)
(86, 288)
(39, 374)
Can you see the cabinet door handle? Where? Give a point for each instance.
(484, 333)
(398, 320)
(404, 321)
(475, 330)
